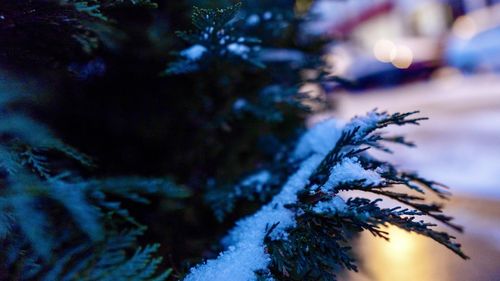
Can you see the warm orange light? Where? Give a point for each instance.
(401, 244)
(406, 257)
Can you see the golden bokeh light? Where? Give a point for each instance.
(402, 57)
(405, 257)
(383, 49)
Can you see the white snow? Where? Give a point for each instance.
(194, 52)
(336, 204)
(366, 122)
(320, 139)
(246, 251)
(238, 49)
(258, 180)
(253, 20)
(239, 104)
(267, 15)
(350, 170)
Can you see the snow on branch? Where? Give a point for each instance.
(333, 159)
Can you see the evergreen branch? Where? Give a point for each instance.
(310, 240)
(217, 40)
(431, 210)
(315, 250)
(436, 187)
(357, 133)
(216, 18)
(404, 219)
(36, 161)
(134, 188)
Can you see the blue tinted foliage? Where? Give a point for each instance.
(38, 196)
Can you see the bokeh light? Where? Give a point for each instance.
(401, 57)
(383, 50)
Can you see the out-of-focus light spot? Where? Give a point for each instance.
(383, 49)
(465, 27)
(401, 243)
(396, 260)
(401, 57)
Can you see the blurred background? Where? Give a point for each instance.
(441, 57)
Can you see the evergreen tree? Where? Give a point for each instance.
(194, 123)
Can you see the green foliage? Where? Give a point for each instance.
(110, 262)
(57, 225)
(224, 57)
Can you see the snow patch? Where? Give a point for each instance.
(258, 180)
(245, 252)
(239, 104)
(336, 204)
(366, 123)
(253, 20)
(194, 52)
(319, 139)
(238, 49)
(350, 170)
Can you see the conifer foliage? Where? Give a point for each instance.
(200, 165)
